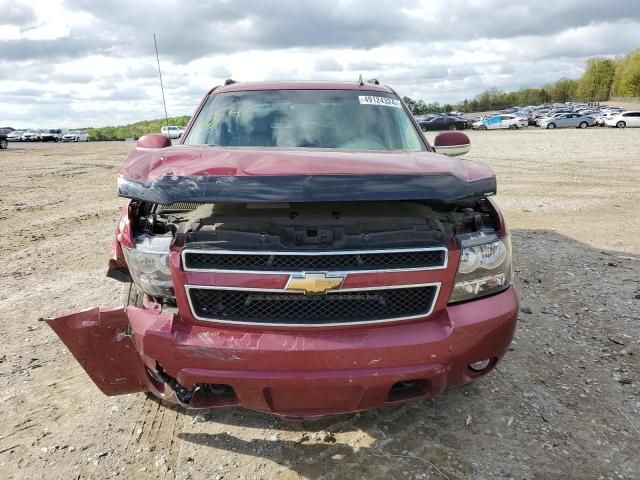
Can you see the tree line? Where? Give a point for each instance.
(602, 79)
(135, 130)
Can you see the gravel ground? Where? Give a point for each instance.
(565, 402)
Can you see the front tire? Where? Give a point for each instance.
(583, 125)
(513, 127)
(482, 127)
(453, 127)
(621, 124)
(551, 125)
(424, 129)
(3, 144)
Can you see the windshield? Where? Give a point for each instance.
(342, 119)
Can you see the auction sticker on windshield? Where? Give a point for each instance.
(384, 101)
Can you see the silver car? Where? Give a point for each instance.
(569, 120)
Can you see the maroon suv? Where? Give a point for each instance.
(304, 251)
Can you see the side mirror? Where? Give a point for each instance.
(452, 143)
(153, 140)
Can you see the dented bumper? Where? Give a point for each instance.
(287, 373)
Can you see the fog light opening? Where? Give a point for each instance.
(408, 389)
(480, 366)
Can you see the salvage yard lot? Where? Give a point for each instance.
(565, 402)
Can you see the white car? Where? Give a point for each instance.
(51, 135)
(75, 136)
(503, 120)
(172, 131)
(31, 135)
(604, 116)
(624, 119)
(15, 136)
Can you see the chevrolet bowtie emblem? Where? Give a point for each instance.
(314, 283)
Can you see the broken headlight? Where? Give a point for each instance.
(149, 265)
(485, 265)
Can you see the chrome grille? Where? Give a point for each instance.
(364, 260)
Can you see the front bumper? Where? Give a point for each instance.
(300, 373)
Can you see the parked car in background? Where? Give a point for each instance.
(15, 136)
(602, 117)
(172, 131)
(502, 121)
(568, 120)
(32, 135)
(624, 119)
(441, 122)
(51, 135)
(76, 136)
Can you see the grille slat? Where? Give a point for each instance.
(274, 307)
(391, 260)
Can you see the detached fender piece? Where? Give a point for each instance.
(99, 341)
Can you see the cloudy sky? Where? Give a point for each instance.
(88, 63)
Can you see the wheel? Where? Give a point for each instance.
(482, 127)
(621, 124)
(3, 144)
(77, 139)
(583, 125)
(513, 127)
(551, 125)
(423, 128)
(453, 127)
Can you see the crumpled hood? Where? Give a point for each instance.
(211, 174)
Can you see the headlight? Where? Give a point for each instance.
(485, 266)
(149, 265)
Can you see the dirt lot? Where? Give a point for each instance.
(565, 403)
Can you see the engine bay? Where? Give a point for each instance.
(318, 225)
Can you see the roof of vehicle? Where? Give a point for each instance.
(297, 85)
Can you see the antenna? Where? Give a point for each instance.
(164, 102)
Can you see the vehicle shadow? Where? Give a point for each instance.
(530, 418)
(376, 444)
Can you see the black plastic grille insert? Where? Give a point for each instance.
(296, 308)
(303, 262)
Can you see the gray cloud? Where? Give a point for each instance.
(59, 48)
(220, 71)
(13, 13)
(223, 26)
(65, 77)
(127, 93)
(327, 64)
(446, 50)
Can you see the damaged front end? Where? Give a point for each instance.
(300, 283)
